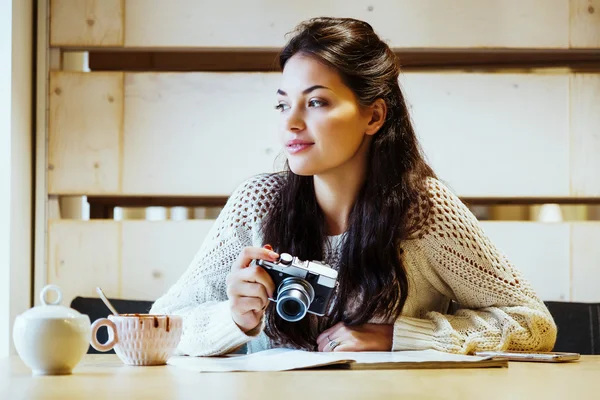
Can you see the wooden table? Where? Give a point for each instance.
(105, 377)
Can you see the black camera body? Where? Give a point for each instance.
(301, 286)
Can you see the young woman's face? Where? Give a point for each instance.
(322, 125)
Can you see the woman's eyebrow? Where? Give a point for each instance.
(305, 91)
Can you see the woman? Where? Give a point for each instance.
(358, 195)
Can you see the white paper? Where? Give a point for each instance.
(288, 359)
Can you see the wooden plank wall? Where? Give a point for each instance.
(530, 24)
(174, 89)
(105, 128)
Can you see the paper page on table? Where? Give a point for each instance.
(268, 360)
(420, 359)
(288, 359)
(367, 357)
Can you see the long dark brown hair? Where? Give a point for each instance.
(370, 266)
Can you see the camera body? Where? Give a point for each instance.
(301, 286)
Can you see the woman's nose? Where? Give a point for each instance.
(294, 122)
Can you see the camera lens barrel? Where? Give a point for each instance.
(294, 297)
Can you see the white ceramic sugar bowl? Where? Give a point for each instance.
(51, 339)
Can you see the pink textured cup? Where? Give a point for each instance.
(140, 339)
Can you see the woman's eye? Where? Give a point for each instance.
(280, 107)
(316, 103)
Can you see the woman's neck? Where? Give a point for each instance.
(337, 190)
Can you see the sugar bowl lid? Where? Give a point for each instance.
(53, 309)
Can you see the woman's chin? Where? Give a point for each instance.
(303, 170)
(303, 173)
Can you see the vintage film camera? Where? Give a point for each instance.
(301, 286)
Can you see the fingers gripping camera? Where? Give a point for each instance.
(302, 286)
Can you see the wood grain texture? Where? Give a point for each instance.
(585, 23)
(481, 132)
(99, 376)
(585, 134)
(155, 254)
(87, 23)
(585, 262)
(136, 260)
(142, 259)
(83, 255)
(84, 132)
(197, 133)
(402, 23)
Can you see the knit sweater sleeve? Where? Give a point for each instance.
(498, 309)
(200, 295)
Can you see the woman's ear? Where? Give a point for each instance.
(378, 113)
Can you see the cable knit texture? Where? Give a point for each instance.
(451, 258)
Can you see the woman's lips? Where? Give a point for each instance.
(297, 146)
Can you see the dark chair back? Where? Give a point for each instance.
(95, 309)
(578, 326)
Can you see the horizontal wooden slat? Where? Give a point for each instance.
(591, 203)
(217, 126)
(403, 23)
(168, 249)
(83, 256)
(487, 135)
(130, 259)
(84, 132)
(585, 23)
(585, 134)
(585, 261)
(86, 23)
(176, 124)
(141, 259)
(410, 60)
(484, 135)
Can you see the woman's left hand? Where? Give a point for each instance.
(367, 337)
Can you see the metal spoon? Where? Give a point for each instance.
(106, 302)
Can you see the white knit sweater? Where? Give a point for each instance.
(451, 259)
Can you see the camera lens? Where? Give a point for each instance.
(293, 299)
(291, 307)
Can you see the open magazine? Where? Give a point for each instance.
(288, 359)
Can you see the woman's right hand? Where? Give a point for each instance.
(249, 287)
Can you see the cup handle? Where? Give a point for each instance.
(110, 343)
